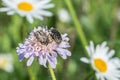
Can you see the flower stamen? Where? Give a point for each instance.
(100, 65)
(3, 63)
(25, 6)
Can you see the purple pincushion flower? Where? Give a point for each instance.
(45, 44)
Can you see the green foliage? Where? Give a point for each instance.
(99, 22)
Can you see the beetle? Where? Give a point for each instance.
(56, 36)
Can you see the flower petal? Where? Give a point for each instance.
(85, 60)
(52, 61)
(29, 18)
(21, 57)
(111, 53)
(30, 60)
(92, 46)
(63, 53)
(42, 60)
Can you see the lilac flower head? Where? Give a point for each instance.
(44, 44)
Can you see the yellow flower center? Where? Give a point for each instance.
(100, 65)
(3, 62)
(25, 6)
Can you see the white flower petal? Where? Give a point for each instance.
(92, 46)
(38, 17)
(48, 6)
(45, 13)
(88, 50)
(85, 60)
(44, 1)
(30, 19)
(103, 44)
(4, 9)
(111, 53)
(11, 12)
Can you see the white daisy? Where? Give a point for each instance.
(6, 62)
(63, 15)
(27, 8)
(102, 61)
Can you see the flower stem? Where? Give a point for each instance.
(52, 72)
(76, 23)
(114, 27)
(24, 29)
(89, 75)
(31, 74)
(14, 28)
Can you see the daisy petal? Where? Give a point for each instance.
(85, 60)
(45, 13)
(30, 19)
(11, 12)
(111, 53)
(4, 9)
(92, 46)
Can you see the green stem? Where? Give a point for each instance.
(31, 74)
(76, 23)
(30, 69)
(24, 29)
(14, 28)
(52, 72)
(89, 75)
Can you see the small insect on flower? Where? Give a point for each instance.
(44, 44)
(56, 36)
(42, 37)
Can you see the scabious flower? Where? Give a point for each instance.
(63, 15)
(6, 62)
(44, 44)
(102, 61)
(27, 8)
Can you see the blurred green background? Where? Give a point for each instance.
(100, 21)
